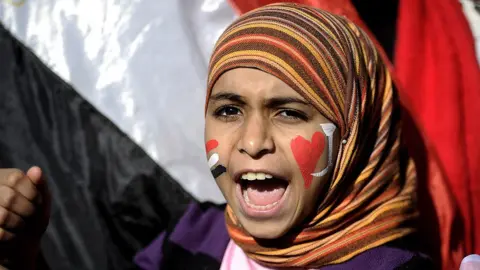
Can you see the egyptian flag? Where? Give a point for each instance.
(216, 168)
(110, 197)
(108, 96)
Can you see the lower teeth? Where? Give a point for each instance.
(258, 207)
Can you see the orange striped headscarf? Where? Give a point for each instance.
(335, 66)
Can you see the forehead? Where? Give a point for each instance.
(252, 83)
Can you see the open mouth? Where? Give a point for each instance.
(261, 192)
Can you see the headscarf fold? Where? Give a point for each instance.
(335, 66)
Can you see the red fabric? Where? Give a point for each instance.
(439, 78)
(436, 65)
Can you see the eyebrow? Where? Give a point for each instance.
(280, 101)
(228, 96)
(271, 102)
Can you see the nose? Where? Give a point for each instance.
(255, 139)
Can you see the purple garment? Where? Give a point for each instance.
(198, 231)
(204, 231)
(151, 257)
(382, 257)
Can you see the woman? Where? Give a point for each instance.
(303, 138)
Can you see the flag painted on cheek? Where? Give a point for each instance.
(214, 159)
(307, 153)
(210, 145)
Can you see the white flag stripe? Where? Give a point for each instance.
(141, 63)
(213, 160)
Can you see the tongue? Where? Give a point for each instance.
(265, 192)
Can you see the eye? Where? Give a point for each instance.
(227, 112)
(293, 115)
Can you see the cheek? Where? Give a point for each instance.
(212, 147)
(310, 200)
(307, 154)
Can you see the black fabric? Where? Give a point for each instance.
(110, 198)
(381, 18)
(178, 258)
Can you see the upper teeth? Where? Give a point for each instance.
(256, 176)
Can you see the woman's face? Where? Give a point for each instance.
(264, 141)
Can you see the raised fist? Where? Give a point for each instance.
(24, 213)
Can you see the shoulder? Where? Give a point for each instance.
(199, 238)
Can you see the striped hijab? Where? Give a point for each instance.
(335, 66)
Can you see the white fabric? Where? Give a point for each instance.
(142, 63)
(473, 17)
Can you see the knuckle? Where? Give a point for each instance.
(7, 196)
(14, 177)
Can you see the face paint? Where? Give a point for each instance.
(214, 159)
(217, 171)
(210, 145)
(328, 129)
(307, 154)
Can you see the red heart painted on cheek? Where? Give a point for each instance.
(307, 154)
(210, 145)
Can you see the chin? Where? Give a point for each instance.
(268, 230)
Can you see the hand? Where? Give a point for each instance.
(24, 213)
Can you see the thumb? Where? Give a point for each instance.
(35, 175)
